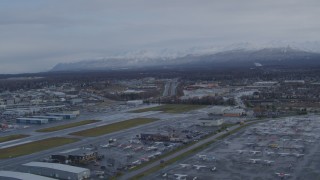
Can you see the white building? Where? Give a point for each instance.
(11, 175)
(59, 171)
(135, 102)
(50, 118)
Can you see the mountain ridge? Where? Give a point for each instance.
(265, 56)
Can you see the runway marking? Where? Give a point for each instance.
(101, 124)
(69, 151)
(8, 142)
(10, 145)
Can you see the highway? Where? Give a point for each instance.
(170, 88)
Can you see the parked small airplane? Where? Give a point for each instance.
(105, 145)
(269, 153)
(282, 175)
(269, 162)
(284, 154)
(128, 147)
(202, 156)
(199, 166)
(298, 154)
(137, 162)
(254, 161)
(185, 165)
(138, 148)
(255, 152)
(214, 168)
(180, 176)
(241, 151)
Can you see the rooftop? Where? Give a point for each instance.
(22, 176)
(61, 167)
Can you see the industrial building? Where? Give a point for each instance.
(11, 175)
(63, 115)
(78, 157)
(210, 122)
(236, 112)
(135, 102)
(31, 121)
(50, 118)
(59, 171)
(154, 137)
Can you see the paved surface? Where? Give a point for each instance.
(156, 163)
(11, 164)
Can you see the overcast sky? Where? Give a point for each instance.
(37, 34)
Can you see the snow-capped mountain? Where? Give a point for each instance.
(245, 52)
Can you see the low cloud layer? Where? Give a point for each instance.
(37, 34)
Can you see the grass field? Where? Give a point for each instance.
(35, 146)
(66, 126)
(171, 108)
(98, 131)
(12, 137)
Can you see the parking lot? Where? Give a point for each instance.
(284, 148)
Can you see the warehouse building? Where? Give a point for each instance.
(59, 171)
(31, 121)
(63, 115)
(210, 122)
(11, 175)
(50, 118)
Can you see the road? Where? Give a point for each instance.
(13, 163)
(156, 163)
(170, 88)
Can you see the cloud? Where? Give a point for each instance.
(48, 32)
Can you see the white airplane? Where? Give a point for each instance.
(241, 151)
(181, 176)
(138, 148)
(199, 166)
(254, 161)
(164, 174)
(255, 152)
(284, 154)
(268, 162)
(144, 159)
(136, 162)
(298, 154)
(269, 153)
(134, 141)
(151, 148)
(185, 165)
(310, 141)
(214, 168)
(195, 178)
(226, 142)
(202, 156)
(282, 174)
(105, 145)
(128, 147)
